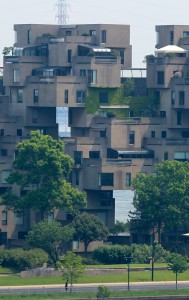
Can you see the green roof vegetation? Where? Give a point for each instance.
(124, 95)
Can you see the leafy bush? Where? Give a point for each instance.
(103, 292)
(20, 259)
(112, 254)
(117, 254)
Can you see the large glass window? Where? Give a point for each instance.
(172, 97)
(16, 75)
(94, 154)
(103, 97)
(181, 156)
(80, 96)
(35, 95)
(128, 179)
(179, 117)
(78, 155)
(4, 175)
(181, 97)
(92, 76)
(103, 36)
(106, 179)
(18, 219)
(4, 217)
(131, 138)
(171, 37)
(160, 77)
(29, 36)
(69, 56)
(66, 96)
(20, 95)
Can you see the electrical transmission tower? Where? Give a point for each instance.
(62, 11)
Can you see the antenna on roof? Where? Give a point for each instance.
(61, 11)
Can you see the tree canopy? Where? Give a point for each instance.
(72, 267)
(161, 199)
(89, 228)
(41, 170)
(177, 264)
(51, 237)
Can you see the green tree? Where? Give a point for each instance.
(89, 228)
(43, 166)
(51, 237)
(177, 264)
(7, 50)
(119, 227)
(161, 200)
(72, 267)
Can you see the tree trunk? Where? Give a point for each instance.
(86, 246)
(176, 279)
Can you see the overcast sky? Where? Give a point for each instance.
(141, 15)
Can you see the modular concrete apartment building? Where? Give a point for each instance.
(119, 126)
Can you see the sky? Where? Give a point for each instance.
(141, 15)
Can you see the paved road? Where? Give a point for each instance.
(93, 287)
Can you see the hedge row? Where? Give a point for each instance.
(21, 259)
(118, 254)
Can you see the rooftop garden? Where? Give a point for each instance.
(125, 95)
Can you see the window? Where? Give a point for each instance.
(4, 152)
(172, 97)
(103, 97)
(185, 33)
(181, 97)
(51, 216)
(2, 132)
(153, 134)
(16, 75)
(77, 177)
(69, 56)
(103, 133)
(128, 179)
(164, 134)
(10, 96)
(165, 156)
(94, 154)
(68, 33)
(179, 118)
(4, 175)
(157, 96)
(29, 36)
(78, 155)
(163, 114)
(131, 138)
(80, 96)
(4, 217)
(35, 116)
(18, 219)
(92, 76)
(19, 132)
(75, 245)
(181, 156)
(106, 179)
(160, 77)
(83, 73)
(102, 216)
(20, 96)
(103, 36)
(171, 37)
(65, 96)
(131, 113)
(35, 96)
(122, 53)
(92, 32)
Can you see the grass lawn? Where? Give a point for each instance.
(124, 266)
(135, 276)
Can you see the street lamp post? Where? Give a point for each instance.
(128, 260)
(153, 253)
